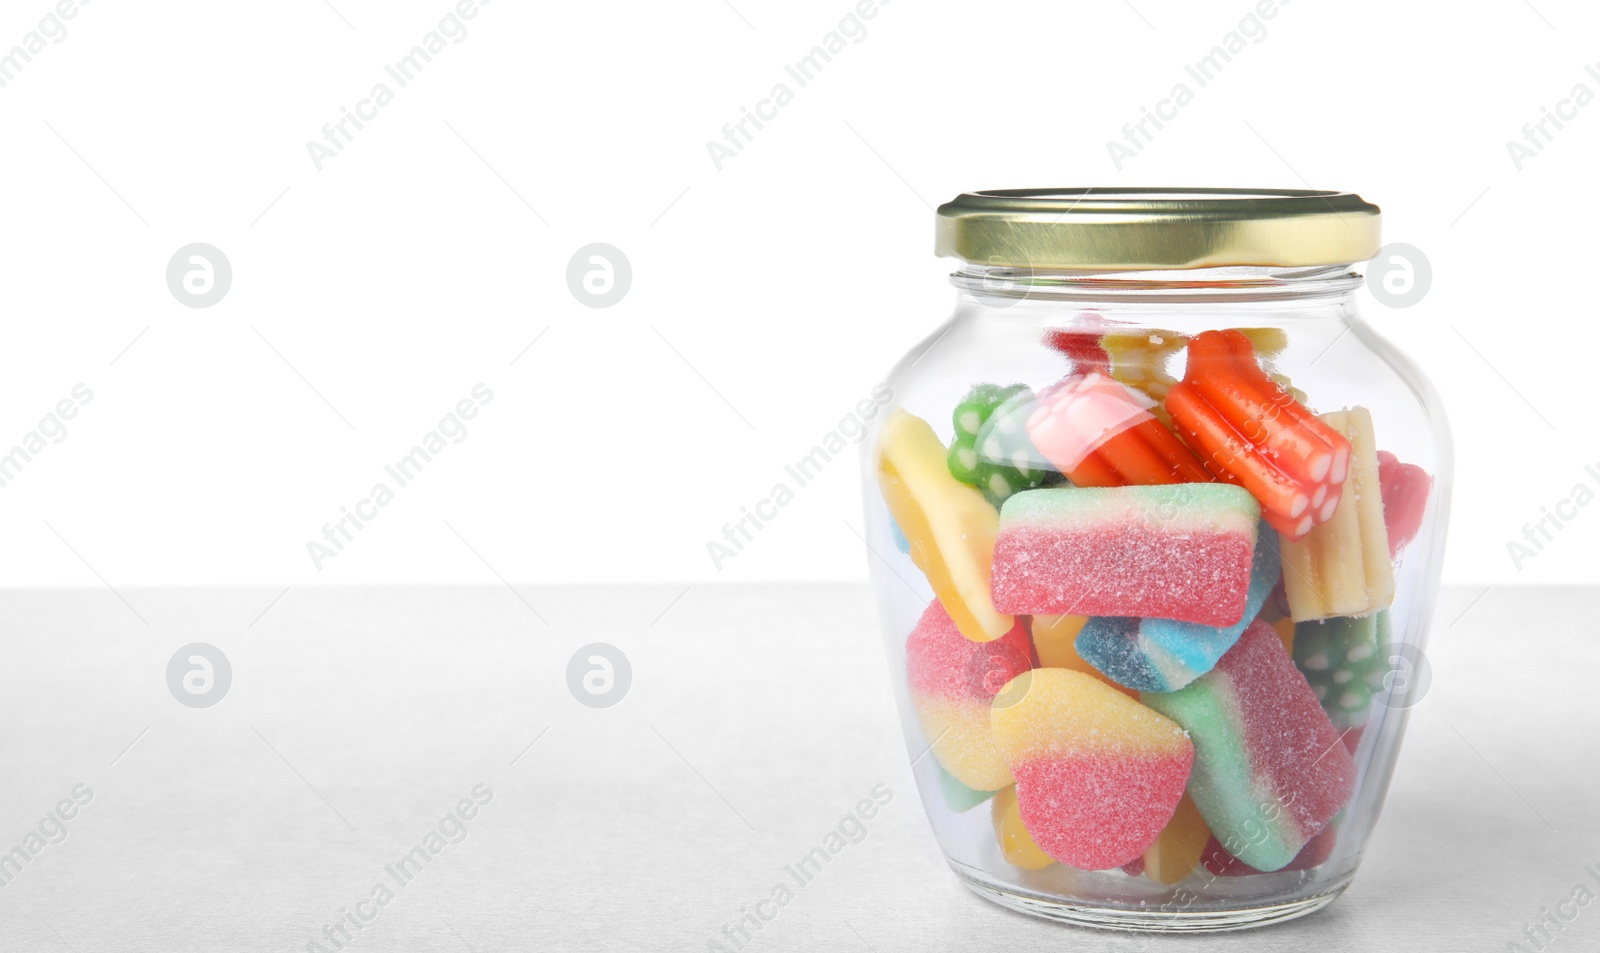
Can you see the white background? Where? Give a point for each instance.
(767, 298)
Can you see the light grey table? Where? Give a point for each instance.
(356, 720)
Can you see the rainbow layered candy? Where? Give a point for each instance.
(1098, 774)
(1161, 655)
(1179, 552)
(953, 681)
(1270, 770)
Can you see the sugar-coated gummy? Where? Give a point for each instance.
(1270, 770)
(1216, 859)
(1098, 774)
(953, 680)
(1180, 551)
(1161, 655)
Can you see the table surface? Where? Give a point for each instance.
(757, 716)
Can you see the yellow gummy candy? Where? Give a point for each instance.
(1285, 627)
(1055, 642)
(1016, 845)
(950, 526)
(1342, 566)
(1177, 849)
(1268, 344)
(1140, 360)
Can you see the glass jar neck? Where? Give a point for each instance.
(1001, 284)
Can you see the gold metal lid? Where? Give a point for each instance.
(1128, 229)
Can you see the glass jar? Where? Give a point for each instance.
(1156, 525)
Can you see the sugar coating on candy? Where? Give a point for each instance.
(953, 681)
(949, 525)
(1016, 845)
(1098, 774)
(1161, 655)
(1405, 489)
(941, 661)
(1342, 567)
(1180, 551)
(1270, 770)
(1336, 656)
(991, 450)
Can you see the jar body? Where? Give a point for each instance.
(1361, 661)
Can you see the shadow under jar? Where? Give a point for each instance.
(1157, 524)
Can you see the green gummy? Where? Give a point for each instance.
(1337, 656)
(960, 797)
(991, 450)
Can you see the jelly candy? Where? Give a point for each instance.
(949, 525)
(900, 541)
(1016, 846)
(1098, 774)
(1053, 643)
(1160, 655)
(1252, 432)
(1172, 552)
(1217, 860)
(1176, 851)
(1335, 656)
(1140, 359)
(991, 450)
(1342, 567)
(1101, 433)
(1270, 771)
(960, 797)
(1405, 489)
(1083, 348)
(953, 680)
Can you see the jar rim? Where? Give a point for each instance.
(1141, 229)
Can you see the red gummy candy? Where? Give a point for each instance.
(1405, 489)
